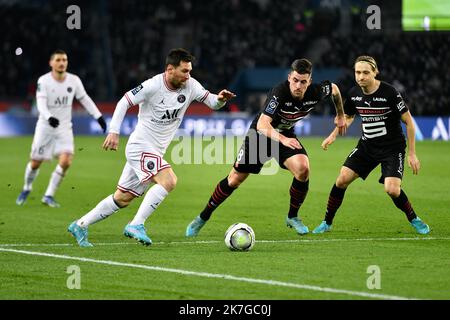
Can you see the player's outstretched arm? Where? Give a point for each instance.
(413, 161)
(111, 142)
(215, 101)
(330, 139)
(225, 95)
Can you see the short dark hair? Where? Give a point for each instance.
(302, 66)
(57, 51)
(175, 57)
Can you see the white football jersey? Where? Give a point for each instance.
(59, 95)
(161, 110)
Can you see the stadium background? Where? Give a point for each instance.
(245, 46)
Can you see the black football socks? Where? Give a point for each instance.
(334, 202)
(403, 204)
(220, 194)
(298, 192)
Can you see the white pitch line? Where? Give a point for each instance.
(215, 275)
(217, 241)
(61, 244)
(356, 239)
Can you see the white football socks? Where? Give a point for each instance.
(30, 175)
(103, 210)
(55, 181)
(155, 195)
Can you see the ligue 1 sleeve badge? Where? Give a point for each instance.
(181, 98)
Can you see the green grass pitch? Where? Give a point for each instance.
(36, 250)
(414, 12)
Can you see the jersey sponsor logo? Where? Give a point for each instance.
(379, 99)
(61, 100)
(373, 111)
(272, 105)
(356, 98)
(171, 115)
(294, 116)
(181, 98)
(285, 124)
(307, 103)
(367, 102)
(288, 104)
(371, 118)
(137, 89)
(69, 89)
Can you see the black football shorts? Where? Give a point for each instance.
(257, 149)
(363, 162)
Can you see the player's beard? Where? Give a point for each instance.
(179, 84)
(61, 71)
(299, 95)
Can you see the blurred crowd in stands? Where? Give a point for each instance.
(122, 43)
(418, 65)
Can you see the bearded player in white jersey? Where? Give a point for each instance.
(53, 135)
(162, 101)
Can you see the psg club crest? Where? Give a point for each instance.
(150, 165)
(69, 89)
(181, 98)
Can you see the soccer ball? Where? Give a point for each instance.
(240, 237)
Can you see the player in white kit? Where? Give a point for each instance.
(53, 135)
(162, 101)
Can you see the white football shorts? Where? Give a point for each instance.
(141, 166)
(49, 142)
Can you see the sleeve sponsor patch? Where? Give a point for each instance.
(326, 89)
(401, 103)
(271, 106)
(137, 89)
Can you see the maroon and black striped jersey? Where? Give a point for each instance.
(286, 111)
(380, 114)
